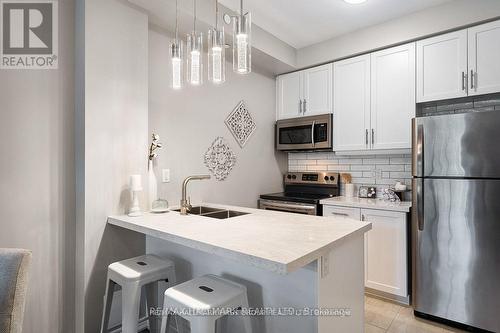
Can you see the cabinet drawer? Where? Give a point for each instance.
(339, 211)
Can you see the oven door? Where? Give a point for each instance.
(305, 133)
(289, 207)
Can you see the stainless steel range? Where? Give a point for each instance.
(303, 192)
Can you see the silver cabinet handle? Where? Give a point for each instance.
(312, 131)
(472, 79)
(464, 81)
(363, 217)
(305, 106)
(339, 214)
(300, 106)
(366, 137)
(373, 136)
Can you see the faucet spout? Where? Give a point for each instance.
(185, 204)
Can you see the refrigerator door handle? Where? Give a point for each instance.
(417, 148)
(418, 202)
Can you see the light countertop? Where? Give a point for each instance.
(403, 206)
(276, 241)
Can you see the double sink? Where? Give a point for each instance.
(216, 213)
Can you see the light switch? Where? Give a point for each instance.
(165, 175)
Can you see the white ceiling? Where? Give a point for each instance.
(304, 22)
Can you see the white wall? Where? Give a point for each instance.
(112, 144)
(190, 119)
(37, 177)
(427, 22)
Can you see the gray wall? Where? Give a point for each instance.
(112, 138)
(37, 177)
(430, 21)
(190, 119)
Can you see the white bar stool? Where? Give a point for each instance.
(202, 295)
(132, 274)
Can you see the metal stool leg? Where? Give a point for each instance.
(108, 300)
(152, 302)
(131, 298)
(247, 324)
(202, 324)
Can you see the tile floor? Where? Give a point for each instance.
(382, 316)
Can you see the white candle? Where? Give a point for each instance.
(135, 183)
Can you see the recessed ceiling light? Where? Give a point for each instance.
(354, 2)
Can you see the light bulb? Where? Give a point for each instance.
(195, 67)
(242, 44)
(217, 64)
(176, 73)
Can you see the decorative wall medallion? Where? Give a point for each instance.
(220, 159)
(241, 123)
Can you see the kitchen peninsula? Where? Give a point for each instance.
(286, 260)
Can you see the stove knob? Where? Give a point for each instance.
(294, 177)
(326, 178)
(289, 176)
(332, 178)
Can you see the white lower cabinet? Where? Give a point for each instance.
(386, 249)
(386, 252)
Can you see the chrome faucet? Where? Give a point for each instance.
(186, 204)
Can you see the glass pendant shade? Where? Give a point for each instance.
(216, 56)
(194, 58)
(176, 54)
(242, 44)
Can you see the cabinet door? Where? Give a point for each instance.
(392, 97)
(442, 67)
(318, 90)
(351, 104)
(484, 55)
(386, 266)
(338, 211)
(289, 95)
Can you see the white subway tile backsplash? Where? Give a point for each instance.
(306, 162)
(372, 170)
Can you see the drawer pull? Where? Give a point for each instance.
(339, 214)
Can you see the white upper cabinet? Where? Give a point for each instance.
(289, 95)
(392, 97)
(484, 58)
(318, 90)
(442, 67)
(351, 104)
(305, 93)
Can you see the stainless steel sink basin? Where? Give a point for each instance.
(216, 213)
(225, 214)
(201, 210)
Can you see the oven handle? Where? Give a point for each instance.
(265, 204)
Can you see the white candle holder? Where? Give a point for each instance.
(135, 188)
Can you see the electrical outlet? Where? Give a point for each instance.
(165, 175)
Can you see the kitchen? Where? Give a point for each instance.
(328, 110)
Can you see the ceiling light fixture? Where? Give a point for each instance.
(216, 51)
(354, 2)
(195, 51)
(176, 55)
(242, 47)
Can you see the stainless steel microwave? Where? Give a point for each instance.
(304, 133)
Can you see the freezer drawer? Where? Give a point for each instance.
(459, 145)
(456, 239)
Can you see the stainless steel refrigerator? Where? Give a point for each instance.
(456, 218)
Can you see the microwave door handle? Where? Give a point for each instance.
(312, 132)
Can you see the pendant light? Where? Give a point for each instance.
(195, 51)
(242, 48)
(216, 51)
(176, 50)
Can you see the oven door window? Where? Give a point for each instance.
(296, 135)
